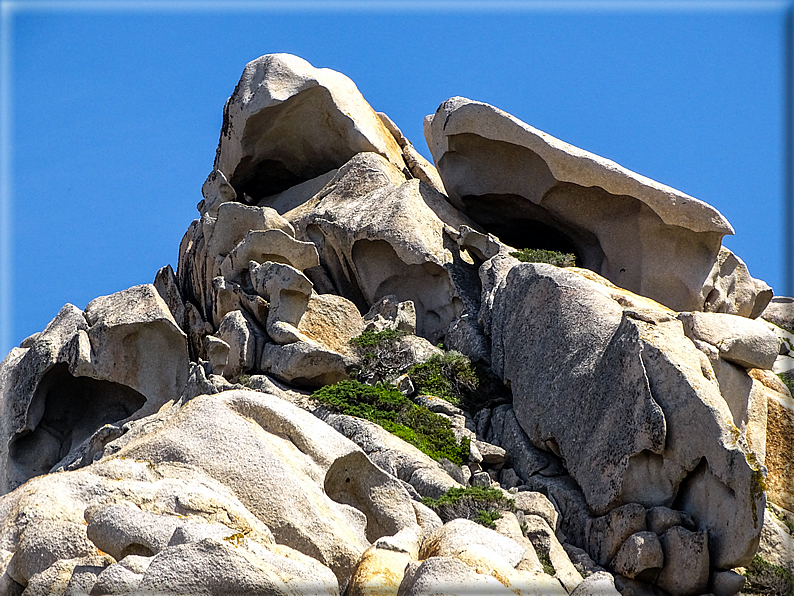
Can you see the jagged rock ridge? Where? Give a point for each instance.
(636, 423)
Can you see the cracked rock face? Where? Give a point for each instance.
(633, 408)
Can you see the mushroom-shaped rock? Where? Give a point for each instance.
(288, 122)
(533, 190)
(288, 291)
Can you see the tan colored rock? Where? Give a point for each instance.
(268, 245)
(83, 377)
(779, 456)
(418, 166)
(549, 548)
(535, 503)
(379, 573)
(288, 291)
(463, 533)
(305, 364)
(780, 311)
(740, 340)
(730, 288)
(288, 122)
(331, 321)
(451, 577)
(246, 343)
(624, 226)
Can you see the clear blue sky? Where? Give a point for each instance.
(115, 110)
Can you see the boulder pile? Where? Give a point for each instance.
(367, 375)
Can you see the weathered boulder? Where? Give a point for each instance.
(730, 288)
(654, 426)
(288, 122)
(686, 556)
(597, 584)
(626, 227)
(462, 533)
(606, 534)
(305, 364)
(452, 577)
(220, 567)
(549, 549)
(780, 311)
(640, 556)
(743, 341)
(246, 343)
(379, 235)
(123, 358)
(535, 503)
(173, 487)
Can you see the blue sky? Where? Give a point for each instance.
(112, 111)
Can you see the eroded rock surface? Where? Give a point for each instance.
(624, 226)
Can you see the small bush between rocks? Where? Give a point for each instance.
(453, 377)
(788, 381)
(370, 339)
(381, 358)
(765, 578)
(472, 502)
(384, 405)
(487, 518)
(539, 255)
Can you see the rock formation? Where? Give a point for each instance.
(356, 383)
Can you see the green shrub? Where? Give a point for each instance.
(469, 502)
(370, 339)
(487, 518)
(380, 356)
(539, 255)
(384, 405)
(765, 578)
(453, 377)
(545, 561)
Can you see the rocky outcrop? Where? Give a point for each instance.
(83, 377)
(614, 391)
(610, 437)
(626, 227)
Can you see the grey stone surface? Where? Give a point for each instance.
(654, 427)
(686, 562)
(606, 534)
(641, 555)
(598, 584)
(744, 341)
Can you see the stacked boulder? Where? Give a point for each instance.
(642, 423)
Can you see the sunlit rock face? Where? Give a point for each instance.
(533, 190)
(627, 417)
